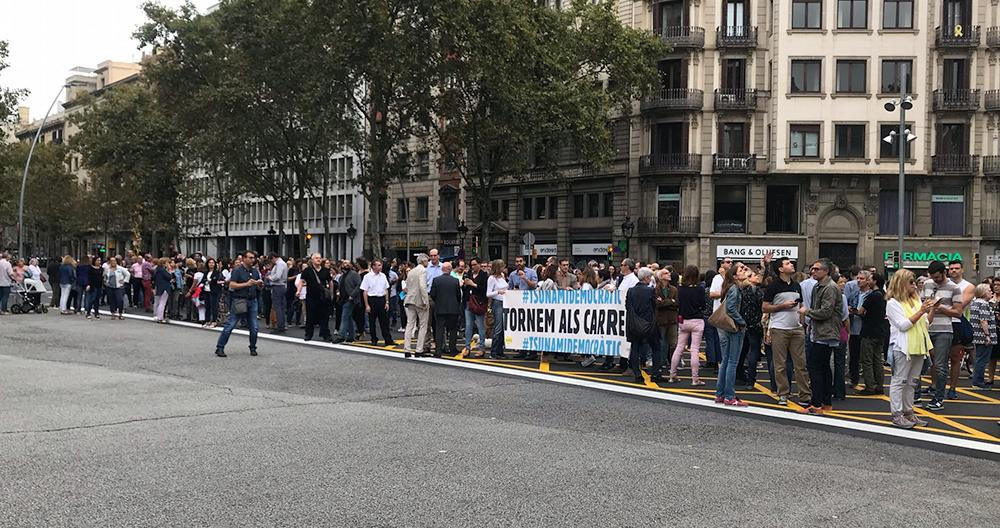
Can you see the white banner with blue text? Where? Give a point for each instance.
(584, 322)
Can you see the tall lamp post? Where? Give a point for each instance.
(31, 151)
(462, 231)
(901, 138)
(351, 233)
(627, 229)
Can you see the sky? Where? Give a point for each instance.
(49, 37)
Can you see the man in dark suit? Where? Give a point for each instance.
(446, 297)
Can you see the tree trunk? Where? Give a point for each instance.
(225, 238)
(326, 214)
(375, 206)
(300, 219)
(279, 207)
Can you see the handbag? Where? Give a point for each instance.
(636, 327)
(721, 320)
(240, 306)
(475, 306)
(326, 293)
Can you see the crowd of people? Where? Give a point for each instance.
(824, 331)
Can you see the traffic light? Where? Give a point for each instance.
(611, 250)
(975, 261)
(896, 263)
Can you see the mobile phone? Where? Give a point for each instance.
(937, 301)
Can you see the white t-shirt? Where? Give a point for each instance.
(716, 287)
(375, 284)
(628, 282)
(962, 285)
(300, 285)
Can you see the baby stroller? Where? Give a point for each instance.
(28, 297)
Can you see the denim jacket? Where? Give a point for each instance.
(733, 300)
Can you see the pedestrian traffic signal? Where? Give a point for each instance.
(896, 264)
(975, 261)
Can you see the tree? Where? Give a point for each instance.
(387, 45)
(258, 87)
(516, 77)
(8, 97)
(134, 157)
(52, 199)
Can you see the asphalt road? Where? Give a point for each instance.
(128, 423)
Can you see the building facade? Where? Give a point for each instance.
(767, 134)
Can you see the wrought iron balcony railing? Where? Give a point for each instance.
(671, 225)
(741, 163)
(964, 164)
(670, 163)
(683, 99)
(729, 99)
(682, 36)
(736, 37)
(956, 99)
(957, 37)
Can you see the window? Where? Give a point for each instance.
(423, 209)
(526, 209)
(782, 209)
(609, 204)
(668, 207)
(806, 76)
(540, 208)
(852, 14)
(948, 211)
(850, 141)
(891, 150)
(897, 14)
(577, 206)
(423, 167)
(401, 209)
(895, 72)
(553, 206)
(804, 141)
(888, 212)
(807, 14)
(593, 205)
(734, 138)
(730, 208)
(851, 76)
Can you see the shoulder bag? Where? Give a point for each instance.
(636, 327)
(721, 320)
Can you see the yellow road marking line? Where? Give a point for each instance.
(976, 394)
(888, 422)
(543, 365)
(966, 417)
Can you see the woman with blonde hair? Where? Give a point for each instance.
(909, 344)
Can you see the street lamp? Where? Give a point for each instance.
(351, 233)
(462, 231)
(901, 138)
(31, 151)
(627, 229)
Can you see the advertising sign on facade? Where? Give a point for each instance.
(591, 248)
(544, 250)
(757, 252)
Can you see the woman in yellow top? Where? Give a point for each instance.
(909, 344)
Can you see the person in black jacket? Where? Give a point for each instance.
(474, 285)
(446, 298)
(95, 281)
(317, 280)
(640, 301)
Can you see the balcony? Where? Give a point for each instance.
(993, 37)
(670, 163)
(992, 100)
(684, 225)
(952, 38)
(734, 163)
(729, 99)
(956, 100)
(681, 99)
(991, 228)
(682, 37)
(956, 164)
(991, 165)
(736, 37)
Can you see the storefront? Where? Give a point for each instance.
(917, 255)
(750, 254)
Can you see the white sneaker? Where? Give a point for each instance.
(401, 330)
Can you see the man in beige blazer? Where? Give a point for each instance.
(417, 305)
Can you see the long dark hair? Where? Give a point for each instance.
(730, 278)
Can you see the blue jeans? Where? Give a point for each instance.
(347, 329)
(251, 319)
(479, 324)
(712, 345)
(93, 296)
(983, 353)
(751, 343)
(497, 348)
(116, 298)
(4, 294)
(731, 345)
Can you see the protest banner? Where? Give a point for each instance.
(585, 322)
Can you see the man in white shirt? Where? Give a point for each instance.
(962, 330)
(375, 291)
(628, 276)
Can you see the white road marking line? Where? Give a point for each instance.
(908, 434)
